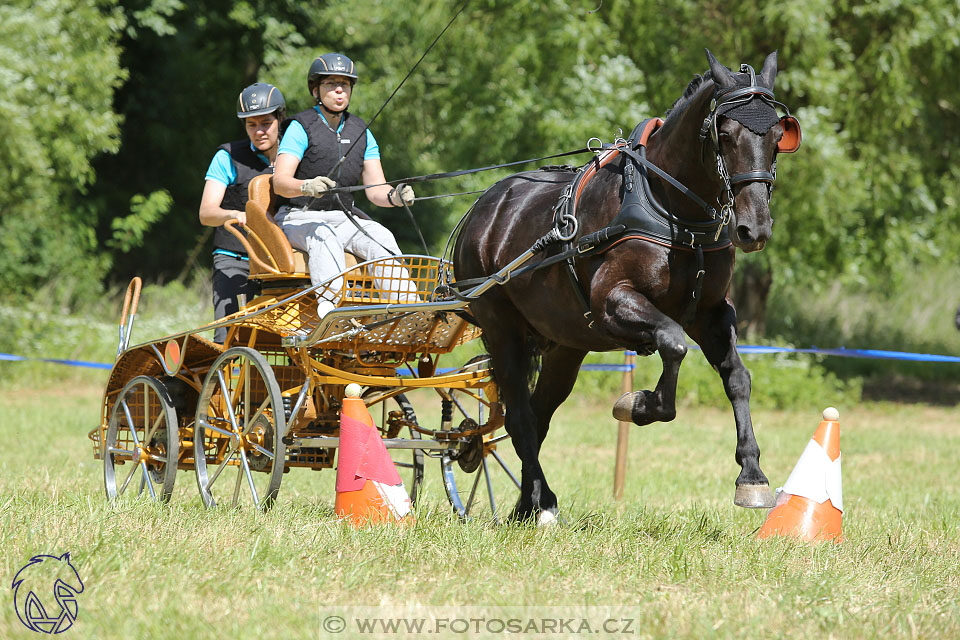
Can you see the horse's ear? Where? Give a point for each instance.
(769, 71)
(722, 76)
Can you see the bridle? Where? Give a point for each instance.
(724, 101)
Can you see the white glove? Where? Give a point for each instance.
(400, 195)
(316, 186)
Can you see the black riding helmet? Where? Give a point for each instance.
(330, 64)
(260, 99)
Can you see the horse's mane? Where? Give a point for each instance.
(691, 89)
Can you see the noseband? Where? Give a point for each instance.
(725, 101)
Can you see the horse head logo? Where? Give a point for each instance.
(45, 593)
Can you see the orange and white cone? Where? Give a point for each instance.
(810, 506)
(369, 489)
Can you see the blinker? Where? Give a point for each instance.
(790, 141)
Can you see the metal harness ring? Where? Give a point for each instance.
(565, 220)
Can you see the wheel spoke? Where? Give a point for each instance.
(238, 383)
(459, 406)
(493, 502)
(473, 493)
(157, 458)
(212, 427)
(153, 428)
(146, 475)
(226, 459)
(261, 450)
(143, 481)
(236, 487)
(246, 396)
(146, 412)
(147, 432)
(116, 450)
(253, 419)
(130, 422)
(228, 400)
(246, 472)
(123, 487)
(505, 468)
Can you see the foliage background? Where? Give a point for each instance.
(111, 111)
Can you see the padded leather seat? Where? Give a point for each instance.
(271, 256)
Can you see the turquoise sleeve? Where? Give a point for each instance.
(294, 141)
(221, 168)
(373, 149)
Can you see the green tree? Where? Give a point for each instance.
(59, 67)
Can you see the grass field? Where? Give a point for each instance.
(674, 558)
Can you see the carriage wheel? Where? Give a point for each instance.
(480, 474)
(142, 443)
(238, 446)
(409, 463)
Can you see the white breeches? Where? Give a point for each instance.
(325, 235)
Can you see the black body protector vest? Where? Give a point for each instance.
(325, 147)
(248, 165)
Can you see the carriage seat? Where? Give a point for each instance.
(271, 256)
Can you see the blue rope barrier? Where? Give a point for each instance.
(843, 352)
(71, 363)
(874, 354)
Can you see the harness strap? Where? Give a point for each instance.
(752, 176)
(694, 302)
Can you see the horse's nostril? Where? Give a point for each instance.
(744, 235)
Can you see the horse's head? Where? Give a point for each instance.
(742, 134)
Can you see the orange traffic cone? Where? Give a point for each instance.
(810, 506)
(369, 489)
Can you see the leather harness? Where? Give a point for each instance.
(641, 217)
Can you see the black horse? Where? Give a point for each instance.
(633, 256)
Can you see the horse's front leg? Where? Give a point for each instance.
(634, 321)
(716, 332)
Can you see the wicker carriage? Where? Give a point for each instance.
(241, 414)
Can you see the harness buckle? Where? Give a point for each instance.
(693, 239)
(726, 213)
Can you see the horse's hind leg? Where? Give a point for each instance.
(511, 352)
(716, 334)
(634, 321)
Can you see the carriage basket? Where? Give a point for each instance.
(402, 281)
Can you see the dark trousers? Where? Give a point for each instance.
(229, 280)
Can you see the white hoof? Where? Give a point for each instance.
(547, 519)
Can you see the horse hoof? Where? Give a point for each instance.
(623, 407)
(754, 496)
(547, 519)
